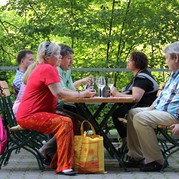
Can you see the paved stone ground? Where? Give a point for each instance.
(24, 166)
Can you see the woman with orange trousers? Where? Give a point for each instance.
(37, 109)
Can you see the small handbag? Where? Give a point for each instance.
(3, 137)
(89, 151)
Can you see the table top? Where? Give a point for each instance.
(100, 100)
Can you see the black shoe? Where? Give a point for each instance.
(151, 167)
(45, 160)
(132, 163)
(70, 173)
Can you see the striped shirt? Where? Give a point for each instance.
(168, 100)
(18, 79)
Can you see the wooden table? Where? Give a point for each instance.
(100, 100)
(81, 104)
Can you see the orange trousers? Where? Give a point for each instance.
(62, 128)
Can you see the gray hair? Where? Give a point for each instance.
(46, 49)
(172, 48)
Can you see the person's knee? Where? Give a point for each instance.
(69, 121)
(131, 114)
(139, 120)
(65, 122)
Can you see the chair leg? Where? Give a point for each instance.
(3, 158)
(169, 144)
(7, 157)
(37, 155)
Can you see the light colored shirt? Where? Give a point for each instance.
(66, 82)
(168, 99)
(18, 79)
(65, 79)
(19, 98)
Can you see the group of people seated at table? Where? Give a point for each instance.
(48, 80)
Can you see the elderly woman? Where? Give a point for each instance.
(143, 88)
(37, 109)
(64, 71)
(144, 151)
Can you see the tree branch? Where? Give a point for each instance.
(123, 24)
(10, 54)
(110, 32)
(4, 26)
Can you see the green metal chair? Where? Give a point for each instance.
(169, 143)
(29, 140)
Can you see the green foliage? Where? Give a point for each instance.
(103, 33)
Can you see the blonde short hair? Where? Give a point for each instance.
(29, 70)
(46, 49)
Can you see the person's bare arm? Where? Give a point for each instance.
(137, 93)
(151, 106)
(86, 80)
(56, 90)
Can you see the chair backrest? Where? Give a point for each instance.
(6, 105)
(161, 86)
(5, 88)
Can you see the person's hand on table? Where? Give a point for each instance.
(175, 129)
(114, 91)
(88, 93)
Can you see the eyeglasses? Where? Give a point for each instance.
(46, 47)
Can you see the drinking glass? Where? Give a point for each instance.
(97, 84)
(110, 84)
(89, 84)
(84, 86)
(101, 84)
(92, 82)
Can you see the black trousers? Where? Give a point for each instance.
(121, 112)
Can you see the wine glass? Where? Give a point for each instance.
(101, 84)
(110, 84)
(84, 86)
(89, 83)
(97, 84)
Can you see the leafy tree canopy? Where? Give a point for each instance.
(102, 33)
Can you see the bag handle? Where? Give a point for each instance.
(82, 127)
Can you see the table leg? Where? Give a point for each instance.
(107, 143)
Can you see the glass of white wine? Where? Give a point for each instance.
(110, 84)
(101, 84)
(97, 84)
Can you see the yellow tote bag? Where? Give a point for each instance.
(89, 152)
